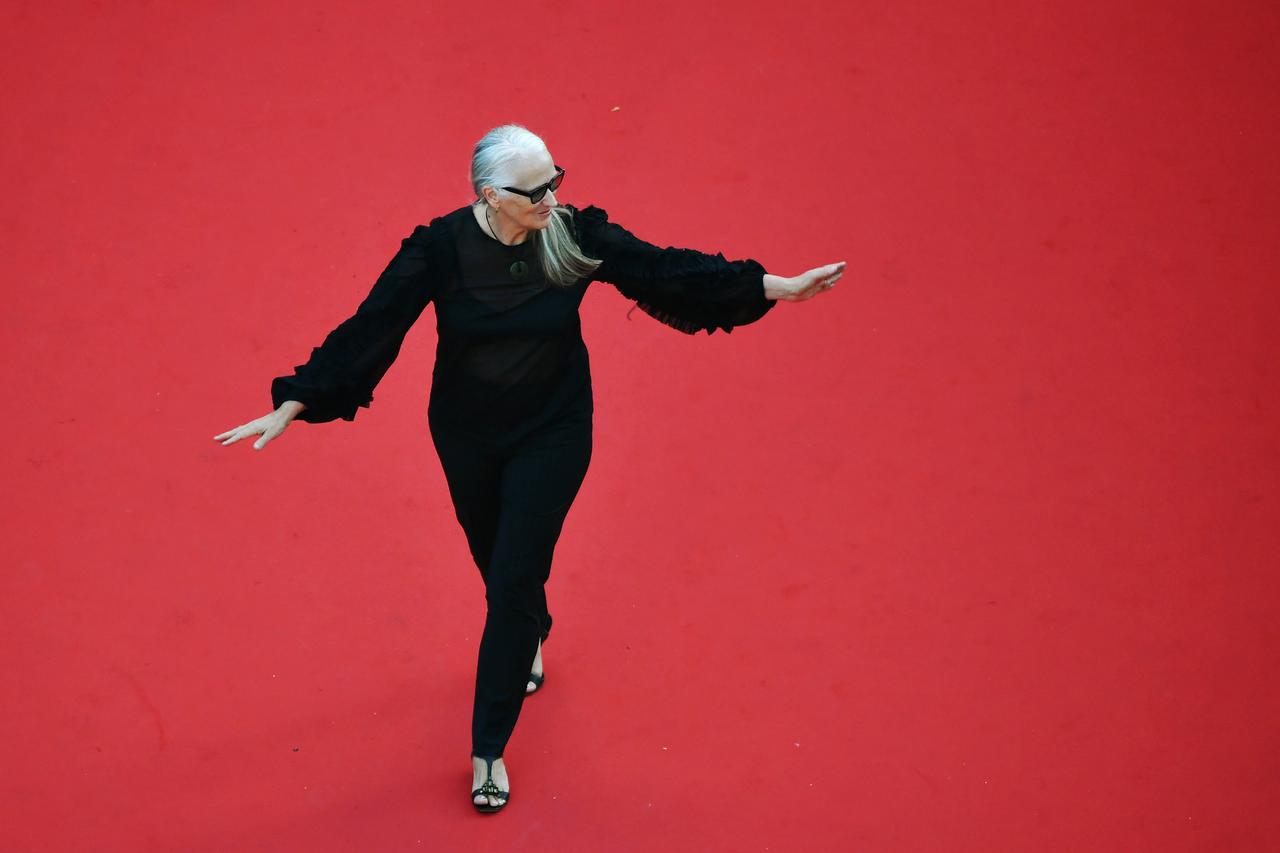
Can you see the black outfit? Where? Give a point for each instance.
(510, 409)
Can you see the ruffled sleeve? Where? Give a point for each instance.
(343, 371)
(684, 288)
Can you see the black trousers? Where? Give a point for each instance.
(511, 499)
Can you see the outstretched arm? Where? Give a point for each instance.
(343, 371)
(686, 289)
(690, 290)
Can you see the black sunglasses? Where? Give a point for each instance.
(535, 195)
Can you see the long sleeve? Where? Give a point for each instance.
(683, 288)
(343, 371)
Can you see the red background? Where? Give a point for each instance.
(976, 552)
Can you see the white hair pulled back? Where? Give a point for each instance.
(563, 262)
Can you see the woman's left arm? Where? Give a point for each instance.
(686, 289)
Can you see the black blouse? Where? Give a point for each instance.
(510, 353)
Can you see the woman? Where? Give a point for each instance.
(510, 410)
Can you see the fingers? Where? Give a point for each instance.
(269, 434)
(270, 426)
(266, 439)
(820, 280)
(823, 282)
(236, 435)
(831, 274)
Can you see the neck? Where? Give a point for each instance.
(505, 232)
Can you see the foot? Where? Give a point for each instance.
(479, 773)
(537, 670)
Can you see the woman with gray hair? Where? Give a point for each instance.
(510, 408)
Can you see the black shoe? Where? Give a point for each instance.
(489, 788)
(537, 678)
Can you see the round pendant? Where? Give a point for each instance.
(519, 271)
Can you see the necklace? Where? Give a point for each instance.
(519, 270)
(490, 224)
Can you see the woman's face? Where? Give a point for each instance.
(527, 173)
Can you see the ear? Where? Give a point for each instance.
(491, 197)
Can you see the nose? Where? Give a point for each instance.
(549, 200)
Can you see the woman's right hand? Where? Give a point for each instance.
(269, 426)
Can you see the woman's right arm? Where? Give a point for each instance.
(343, 371)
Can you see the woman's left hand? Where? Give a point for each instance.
(804, 286)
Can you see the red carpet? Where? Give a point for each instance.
(975, 553)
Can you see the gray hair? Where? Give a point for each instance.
(563, 262)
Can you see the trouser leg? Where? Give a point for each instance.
(473, 472)
(538, 485)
